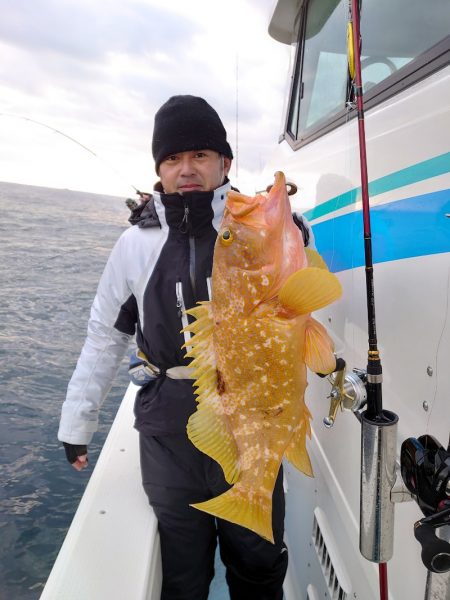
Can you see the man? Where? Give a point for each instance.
(158, 268)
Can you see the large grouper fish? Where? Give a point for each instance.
(250, 347)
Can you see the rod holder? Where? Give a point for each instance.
(378, 475)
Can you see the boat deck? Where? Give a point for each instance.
(110, 553)
(219, 588)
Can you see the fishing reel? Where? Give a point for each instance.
(348, 391)
(132, 204)
(425, 468)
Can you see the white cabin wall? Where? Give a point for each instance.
(412, 305)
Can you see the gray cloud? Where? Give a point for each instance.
(89, 31)
(66, 45)
(99, 71)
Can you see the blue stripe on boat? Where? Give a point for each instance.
(438, 165)
(415, 226)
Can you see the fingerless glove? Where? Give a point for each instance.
(73, 451)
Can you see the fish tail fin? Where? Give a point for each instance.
(242, 507)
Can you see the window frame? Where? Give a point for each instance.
(435, 58)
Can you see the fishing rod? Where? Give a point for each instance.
(72, 139)
(378, 426)
(374, 368)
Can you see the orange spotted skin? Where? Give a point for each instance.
(264, 385)
(248, 351)
(258, 344)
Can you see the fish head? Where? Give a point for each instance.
(257, 248)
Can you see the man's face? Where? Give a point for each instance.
(193, 170)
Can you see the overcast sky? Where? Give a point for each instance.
(97, 70)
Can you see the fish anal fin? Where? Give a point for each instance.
(309, 289)
(236, 506)
(210, 432)
(319, 348)
(296, 452)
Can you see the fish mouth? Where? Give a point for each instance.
(280, 182)
(240, 205)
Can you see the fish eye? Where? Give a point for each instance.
(226, 237)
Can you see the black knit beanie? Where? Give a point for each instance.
(187, 123)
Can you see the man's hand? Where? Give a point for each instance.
(76, 455)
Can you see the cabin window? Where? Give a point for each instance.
(402, 41)
(321, 78)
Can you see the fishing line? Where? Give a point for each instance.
(72, 139)
(236, 158)
(444, 326)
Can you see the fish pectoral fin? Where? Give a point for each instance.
(236, 506)
(296, 452)
(210, 432)
(310, 289)
(319, 348)
(315, 259)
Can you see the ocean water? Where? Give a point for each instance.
(54, 245)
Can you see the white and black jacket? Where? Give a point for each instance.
(157, 265)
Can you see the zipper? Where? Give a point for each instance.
(192, 265)
(183, 226)
(182, 312)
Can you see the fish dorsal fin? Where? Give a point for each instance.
(319, 348)
(208, 428)
(309, 289)
(315, 259)
(296, 452)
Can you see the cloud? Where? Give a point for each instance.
(99, 69)
(77, 41)
(87, 31)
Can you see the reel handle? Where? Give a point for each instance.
(435, 551)
(348, 391)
